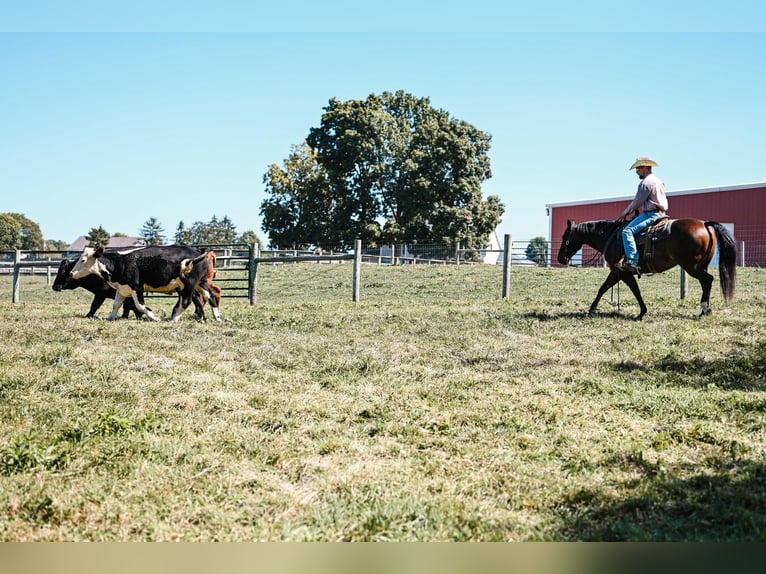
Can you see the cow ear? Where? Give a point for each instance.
(99, 251)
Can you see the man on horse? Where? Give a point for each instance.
(651, 198)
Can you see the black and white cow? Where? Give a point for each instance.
(101, 289)
(161, 269)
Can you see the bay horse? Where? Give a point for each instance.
(691, 244)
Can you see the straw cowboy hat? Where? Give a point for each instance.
(643, 161)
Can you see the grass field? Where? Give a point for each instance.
(431, 410)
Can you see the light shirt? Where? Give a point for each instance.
(650, 195)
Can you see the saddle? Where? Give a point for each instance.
(648, 238)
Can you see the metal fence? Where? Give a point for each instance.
(237, 264)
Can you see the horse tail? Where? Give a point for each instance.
(727, 259)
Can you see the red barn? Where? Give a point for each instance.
(741, 208)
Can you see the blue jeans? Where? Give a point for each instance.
(637, 225)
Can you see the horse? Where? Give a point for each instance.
(691, 244)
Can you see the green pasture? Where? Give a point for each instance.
(431, 410)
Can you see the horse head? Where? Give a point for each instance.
(570, 243)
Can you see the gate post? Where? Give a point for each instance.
(16, 274)
(357, 269)
(252, 271)
(506, 265)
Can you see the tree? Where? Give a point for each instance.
(215, 231)
(28, 236)
(251, 238)
(97, 236)
(537, 250)
(299, 210)
(152, 232)
(10, 232)
(56, 245)
(183, 235)
(31, 235)
(222, 231)
(389, 168)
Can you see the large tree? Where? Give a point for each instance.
(10, 232)
(298, 211)
(27, 234)
(390, 168)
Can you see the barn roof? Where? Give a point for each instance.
(669, 193)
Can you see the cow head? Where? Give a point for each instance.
(63, 279)
(88, 263)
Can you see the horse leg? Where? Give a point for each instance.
(611, 280)
(706, 282)
(631, 282)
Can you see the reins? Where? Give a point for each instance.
(615, 226)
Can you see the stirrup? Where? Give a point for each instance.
(621, 265)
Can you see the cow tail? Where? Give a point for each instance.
(727, 259)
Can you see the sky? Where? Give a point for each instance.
(113, 113)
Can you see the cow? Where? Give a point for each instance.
(171, 269)
(212, 260)
(101, 289)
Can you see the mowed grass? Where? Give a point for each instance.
(431, 410)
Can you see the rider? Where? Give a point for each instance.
(651, 198)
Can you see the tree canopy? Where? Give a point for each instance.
(388, 169)
(215, 231)
(19, 232)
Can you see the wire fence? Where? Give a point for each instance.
(751, 247)
(237, 263)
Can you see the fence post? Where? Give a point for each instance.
(16, 275)
(684, 286)
(253, 253)
(506, 265)
(742, 254)
(357, 269)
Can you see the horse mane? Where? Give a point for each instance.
(598, 228)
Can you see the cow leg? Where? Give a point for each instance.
(132, 306)
(204, 290)
(117, 304)
(199, 308)
(184, 300)
(137, 301)
(95, 305)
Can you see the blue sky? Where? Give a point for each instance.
(116, 114)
